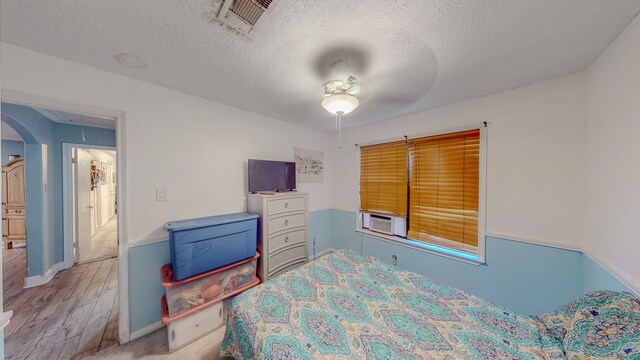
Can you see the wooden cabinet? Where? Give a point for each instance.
(282, 231)
(13, 204)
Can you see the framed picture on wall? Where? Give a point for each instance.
(309, 165)
(103, 168)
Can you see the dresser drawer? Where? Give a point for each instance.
(285, 222)
(286, 257)
(11, 211)
(287, 239)
(287, 268)
(277, 206)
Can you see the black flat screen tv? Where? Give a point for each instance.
(266, 175)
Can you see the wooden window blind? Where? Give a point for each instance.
(383, 179)
(444, 189)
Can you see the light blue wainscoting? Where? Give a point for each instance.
(595, 277)
(319, 229)
(343, 230)
(530, 279)
(145, 290)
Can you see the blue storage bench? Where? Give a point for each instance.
(203, 244)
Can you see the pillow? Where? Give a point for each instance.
(600, 324)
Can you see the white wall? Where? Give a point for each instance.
(612, 222)
(195, 148)
(535, 162)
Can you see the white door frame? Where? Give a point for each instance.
(21, 98)
(67, 196)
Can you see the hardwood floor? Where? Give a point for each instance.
(104, 243)
(73, 316)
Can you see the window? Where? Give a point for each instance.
(432, 181)
(383, 179)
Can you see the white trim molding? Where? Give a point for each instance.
(499, 235)
(614, 270)
(353, 211)
(146, 330)
(123, 239)
(414, 244)
(38, 280)
(531, 240)
(319, 210)
(148, 240)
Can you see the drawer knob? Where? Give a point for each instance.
(286, 222)
(286, 239)
(286, 205)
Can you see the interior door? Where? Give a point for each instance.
(84, 202)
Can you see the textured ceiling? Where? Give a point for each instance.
(410, 55)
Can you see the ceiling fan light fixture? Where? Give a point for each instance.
(340, 103)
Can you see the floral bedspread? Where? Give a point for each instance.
(349, 306)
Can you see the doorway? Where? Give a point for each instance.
(93, 203)
(68, 308)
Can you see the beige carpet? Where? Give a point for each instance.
(154, 346)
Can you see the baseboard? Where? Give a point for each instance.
(146, 330)
(148, 240)
(612, 269)
(38, 280)
(322, 253)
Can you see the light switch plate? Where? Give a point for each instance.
(161, 194)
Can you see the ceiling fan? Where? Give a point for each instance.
(340, 94)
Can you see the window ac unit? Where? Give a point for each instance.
(390, 225)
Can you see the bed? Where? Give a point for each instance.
(346, 305)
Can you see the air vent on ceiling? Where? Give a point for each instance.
(243, 14)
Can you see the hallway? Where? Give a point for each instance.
(104, 244)
(73, 316)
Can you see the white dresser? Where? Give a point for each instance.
(282, 231)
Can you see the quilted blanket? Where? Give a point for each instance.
(349, 306)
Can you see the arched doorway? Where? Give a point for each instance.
(34, 199)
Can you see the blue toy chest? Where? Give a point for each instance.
(204, 244)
